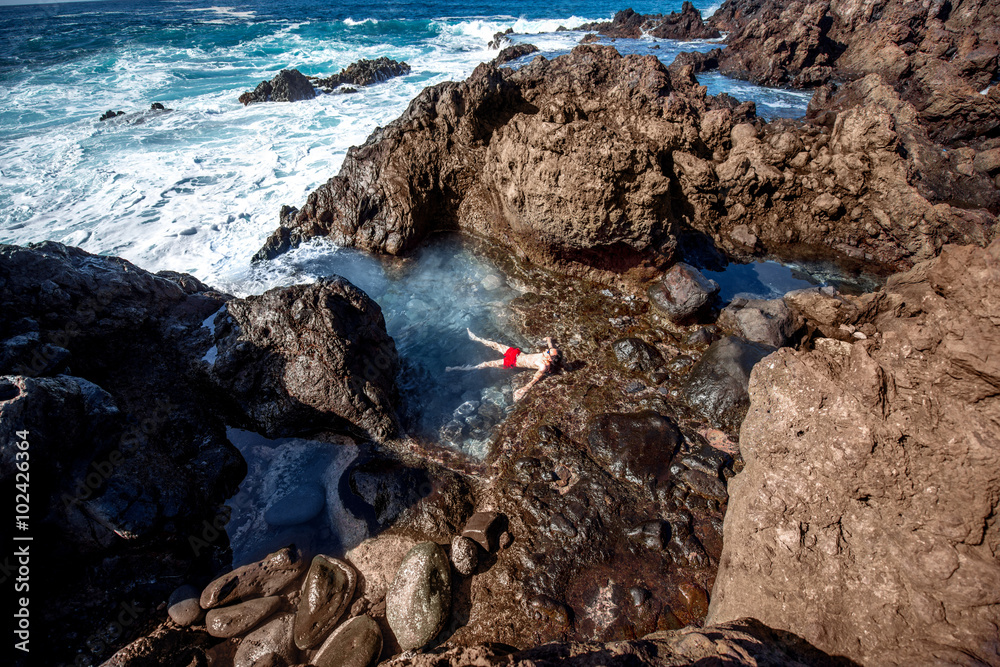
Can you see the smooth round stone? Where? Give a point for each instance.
(239, 618)
(357, 643)
(464, 555)
(326, 591)
(298, 506)
(270, 644)
(419, 599)
(183, 607)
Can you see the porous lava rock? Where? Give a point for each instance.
(683, 25)
(599, 165)
(864, 518)
(288, 85)
(309, 356)
(364, 72)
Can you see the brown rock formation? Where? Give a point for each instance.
(865, 519)
(594, 164)
(938, 55)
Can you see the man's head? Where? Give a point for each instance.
(552, 357)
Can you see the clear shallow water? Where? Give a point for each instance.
(772, 280)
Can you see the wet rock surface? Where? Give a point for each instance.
(309, 356)
(363, 73)
(288, 85)
(868, 480)
(326, 593)
(717, 384)
(682, 292)
(356, 643)
(684, 25)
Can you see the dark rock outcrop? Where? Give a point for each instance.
(682, 292)
(521, 156)
(300, 358)
(289, 85)
(363, 73)
(686, 24)
(864, 520)
(133, 456)
(513, 53)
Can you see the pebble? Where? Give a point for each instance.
(270, 644)
(240, 618)
(419, 599)
(356, 643)
(482, 528)
(265, 577)
(183, 607)
(464, 555)
(325, 594)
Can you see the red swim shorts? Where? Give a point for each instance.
(510, 357)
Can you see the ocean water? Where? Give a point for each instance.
(198, 188)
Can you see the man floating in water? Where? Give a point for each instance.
(546, 362)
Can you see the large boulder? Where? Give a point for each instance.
(419, 600)
(717, 385)
(309, 356)
(682, 292)
(863, 520)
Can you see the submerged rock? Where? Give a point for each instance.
(639, 356)
(419, 599)
(326, 592)
(289, 85)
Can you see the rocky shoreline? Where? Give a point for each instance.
(806, 480)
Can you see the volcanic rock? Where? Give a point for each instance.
(682, 292)
(636, 448)
(363, 73)
(183, 607)
(869, 484)
(239, 618)
(464, 555)
(639, 356)
(377, 560)
(513, 53)
(717, 385)
(521, 158)
(684, 25)
(309, 356)
(270, 644)
(419, 599)
(260, 579)
(769, 322)
(356, 643)
(289, 85)
(326, 592)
